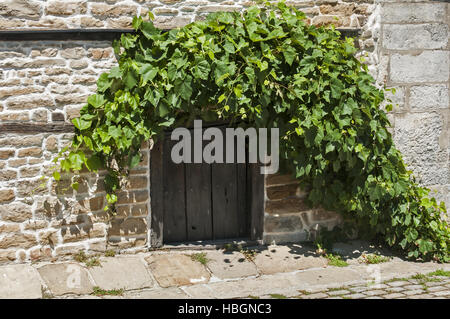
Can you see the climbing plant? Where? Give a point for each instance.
(268, 68)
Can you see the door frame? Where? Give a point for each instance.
(255, 182)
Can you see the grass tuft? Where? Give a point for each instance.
(278, 296)
(200, 257)
(374, 259)
(112, 292)
(336, 260)
(440, 272)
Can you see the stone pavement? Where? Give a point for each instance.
(288, 271)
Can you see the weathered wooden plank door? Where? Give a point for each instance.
(202, 201)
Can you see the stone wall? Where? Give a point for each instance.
(47, 82)
(414, 57)
(26, 14)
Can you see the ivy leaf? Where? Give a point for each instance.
(135, 160)
(149, 30)
(81, 124)
(96, 100)
(76, 160)
(202, 70)
(103, 82)
(94, 163)
(114, 132)
(289, 54)
(115, 73)
(184, 87)
(130, 79)
(148, 73)
(56, 175)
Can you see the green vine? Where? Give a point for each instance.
(268, 68)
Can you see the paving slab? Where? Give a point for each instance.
(394, 295)
(338, 292)
(158, 293)
(413, 292)
(122, 272)
(225, 265)
(441, 293)
(356, 296)
(67, 278)
(330, 277)
(270, 284)
(424, 296)
(19, 282)
(173, 269)
(395, 289)
(281, 283)
(376, 292)
(436, 288)
(353, 250)
(398, 283)
(400, 269)
(276, 259)
(319, 295)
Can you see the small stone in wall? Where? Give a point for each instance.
(73, 53)
(30, 152)
(15, 212)
(89, 22)
(20, 8)
(7, 255)
(65, 8)
(40, 253)
(6, 154)
(21, 240)
(7, 175)
(48, 23)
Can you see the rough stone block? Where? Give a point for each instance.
(21, 240)
(428, 66)
(66, 8)
(20, 9)
(6, 195)
(398, 99)
(176, 270)
(224, 265)
(429, 97)
(122, 272)
(413, 12)
(281, 238)
(67, 278)
(415, 36)
(284, 191)
(417, 136)
(283, 223)
(286, 258)
(15, 212)
(286, 206)
(19, 282)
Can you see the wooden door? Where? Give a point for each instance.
(196, 202)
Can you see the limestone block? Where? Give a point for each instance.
(413, 12)
(428, 66)
(176, 270)
(428, 97)
(19, 282)
(417, 136)
(67, 278)
(415, 36)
